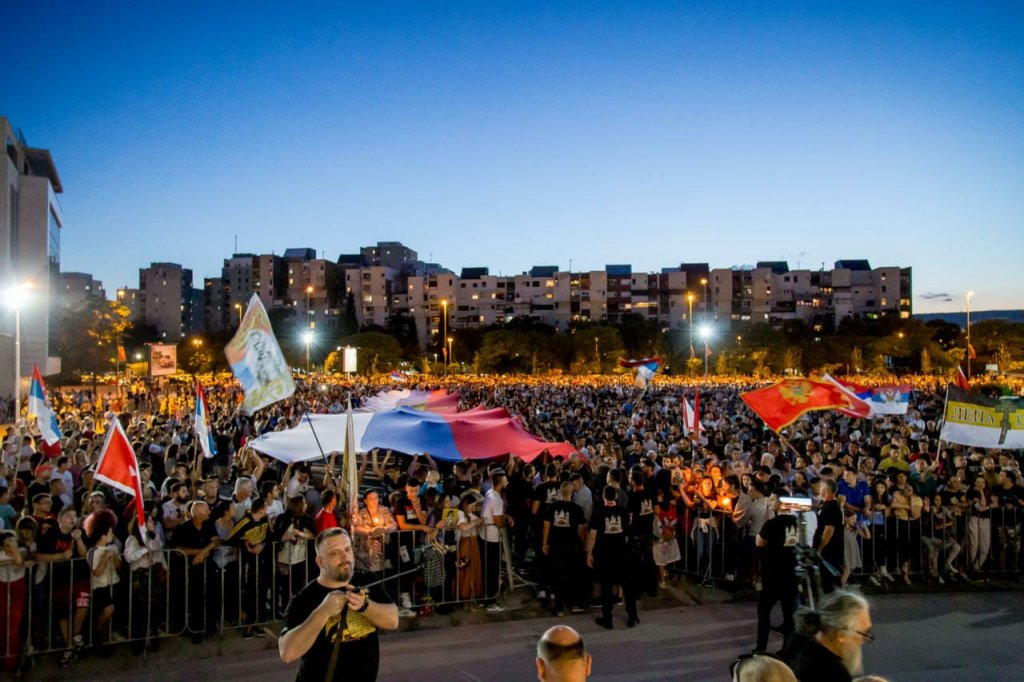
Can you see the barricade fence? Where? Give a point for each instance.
(712, 546)
(47, 607)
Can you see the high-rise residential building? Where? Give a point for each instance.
(76, 288)
(167, 301)
(30, 224)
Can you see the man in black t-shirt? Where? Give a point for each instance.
(828, 538)
(564, 527)
(545, 495)
(777, 540)
(641, 567)
(606, 551)
(330, 624)
(196, 539)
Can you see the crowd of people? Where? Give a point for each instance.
(228, 541)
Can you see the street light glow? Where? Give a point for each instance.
(308, 337)
(705, 332)
(18, 295)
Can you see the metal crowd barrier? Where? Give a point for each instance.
(712, 548)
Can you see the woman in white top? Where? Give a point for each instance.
(148, 577)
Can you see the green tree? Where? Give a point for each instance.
(595, 349)
(376, 352)
(87, 336)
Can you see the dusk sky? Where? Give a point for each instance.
(516, 134)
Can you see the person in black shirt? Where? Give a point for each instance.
(828, 537)
(250, 535)
(545, 495)
(330, 624)
(828, 649)
(564, 528)
(196, 539)
(778, 539)
(641, 535)
(606, 551)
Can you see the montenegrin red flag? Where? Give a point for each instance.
(118, 468)
(970, 352)
(961, 379)
(781, 404)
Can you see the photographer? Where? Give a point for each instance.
(777, 541)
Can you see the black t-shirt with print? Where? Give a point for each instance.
(359, 651)
(547, 494)
(641, 514)
(405, 510)
(566, 519)
(610, 524)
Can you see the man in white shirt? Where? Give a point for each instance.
(494, 520)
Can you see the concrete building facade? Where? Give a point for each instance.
(31, 220)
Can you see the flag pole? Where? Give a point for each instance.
(327, 466)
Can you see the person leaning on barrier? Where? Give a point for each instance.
(330, 624)
(561, 656)
(829, 646)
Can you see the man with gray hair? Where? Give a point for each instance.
(829, 647)
(561, 656)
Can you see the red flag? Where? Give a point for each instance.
(970, 352)
(861, 408)
(695, 432)
(118, 468)
(707, 350)
(961, 379)
(121, 355)
(781, 404)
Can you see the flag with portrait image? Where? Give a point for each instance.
(256, 360)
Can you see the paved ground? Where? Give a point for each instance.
(933, 637)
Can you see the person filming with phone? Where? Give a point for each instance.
(331, 624)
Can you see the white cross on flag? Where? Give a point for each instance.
(118, 468)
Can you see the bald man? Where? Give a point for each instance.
(561, 656)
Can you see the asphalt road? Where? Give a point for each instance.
(934, 637)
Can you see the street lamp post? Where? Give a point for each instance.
(16, 299)
(689, 301)
(309, 313)
(704, 281)
(969, 294)
(238, 307)
(308, 338)
(451, 356)
(705, 334)
(444, 333)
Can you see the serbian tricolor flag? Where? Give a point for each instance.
(397, 376)
(440, 401)
(857, 394)
(781, 404)
(645, 369)
(890, 399)
(40, 409)
(202, 425)
(118, 468)
(961, 379)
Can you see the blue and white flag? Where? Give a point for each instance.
(46, 418)
(202, 425)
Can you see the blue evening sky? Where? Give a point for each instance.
(521, 133)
